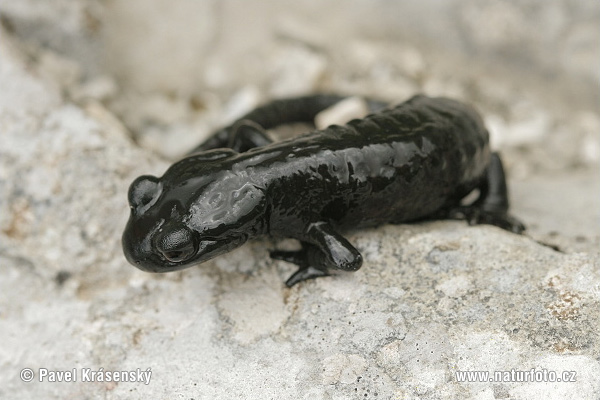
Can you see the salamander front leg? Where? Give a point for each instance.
(325, 249)
(492, 205)
(248, 135)
(307, 259)
(241, 136)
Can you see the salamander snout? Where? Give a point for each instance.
(177, 244)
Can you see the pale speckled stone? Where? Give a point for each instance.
(100, 88)
(295, 71)
(242, 102)
(456, 286)
(255, 308)
(586, 369)
(342, 368)
(342, 112)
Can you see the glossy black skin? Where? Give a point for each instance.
(411, 162)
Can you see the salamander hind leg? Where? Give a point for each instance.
(492, 205)
(324, 249)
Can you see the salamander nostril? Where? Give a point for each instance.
(176, 245)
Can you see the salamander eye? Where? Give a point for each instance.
(144, 190)
(176, 245)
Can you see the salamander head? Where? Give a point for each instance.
(175, 224)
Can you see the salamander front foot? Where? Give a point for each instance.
(304, 274)
(302, 259)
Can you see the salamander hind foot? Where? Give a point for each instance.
(476, 215)
(492, 206)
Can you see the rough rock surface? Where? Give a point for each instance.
(432, 299)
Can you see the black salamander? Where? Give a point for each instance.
(412, 162)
